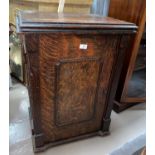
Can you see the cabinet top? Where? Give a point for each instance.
(44, 21)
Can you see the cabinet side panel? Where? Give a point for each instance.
(33, 74)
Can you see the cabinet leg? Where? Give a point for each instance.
(38, 142)
(105, 127)
(119, 107)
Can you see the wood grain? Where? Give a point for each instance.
(128, 10)
(51, 54)
(131, 11)
(44, 20)
(80, 79)
(72, 89)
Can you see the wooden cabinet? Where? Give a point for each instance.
(132, 11)
(73, 67)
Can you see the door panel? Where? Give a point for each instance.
(74, 82)
(76, 90)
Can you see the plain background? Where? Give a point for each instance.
(4, 77)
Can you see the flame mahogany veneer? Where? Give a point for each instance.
(73, 65)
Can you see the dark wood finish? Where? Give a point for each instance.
(135, 12)
(82, 87)
(72, 89)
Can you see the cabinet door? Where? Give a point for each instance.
(75, 73)
(76, 89)
(70, 76)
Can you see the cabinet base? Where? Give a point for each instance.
(40, 146)
(119, 107)
(52, 144)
